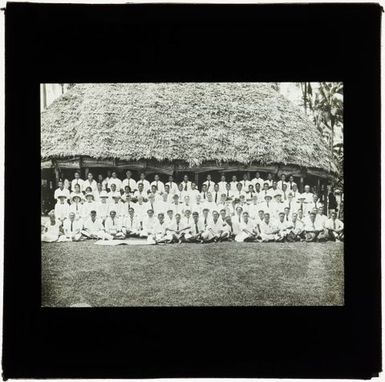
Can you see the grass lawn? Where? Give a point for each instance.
(220, 274)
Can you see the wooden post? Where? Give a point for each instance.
(326, 212)
(301, 184)
(57, 174)
(318, 185)
(86, 171)
(196, 179)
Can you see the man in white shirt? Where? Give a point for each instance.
(158, 183)
(209, 203)
(247, 229)
(237, 220)
(295, 228)
(140, 192)
(62, 208)
(196, 230)
(265, 191)
(291, 183)
(194, 192)
(181, 192)
(335, 227)
(313, 229)
(315, 203)
(176, 230)
(89, 182)
(233, 183)
(245, 182)
(282, 225)
(113, 225)
(159, 232)
(144, 182)
(115, 180)
(321, 217)
(215, 230)
(61, 190)
(268, 229)
(93, 227)
(52, 229)
(102, 206)
(129, 182)
(269, 180)
(253, 208)
(216, 194)
(72, 229)
(282, 182)
(204, 192)
(267, 204)
(206, 218)
(88, 206)
(77, 180)
(186, 184)
(228, 192)
(295, 192)
(257, 180)
(116, 205)
(106, 180)
(222, 184)
(98, 192)
(173, 186)
(307, 195)
(175, 205)
(239, 191)
(209, 183)
(131, 224)
(148, 224)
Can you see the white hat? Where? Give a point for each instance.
(103, 194)
(115, 195)
(277, 193)
(76, 196)
(90, 194)
(61, 195)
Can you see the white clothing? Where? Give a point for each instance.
(62, 210)
(92, 184)
(64, 191)
(129, 182)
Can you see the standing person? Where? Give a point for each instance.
(113, 225)
(222, 184)
(76, 207)
(233, 183)
(269, 180)
(313, 204)
(228, 192)
(61, 190)
(77, 180)
(131, 224)
(206, 218)
(106, 180)
(204, 193)
(282, 182)
(173, 186)
(93, 227)
(247, 229)
(128, 181)
(257, 180)
(102, 206)
(284, 192)
(52, 229)
(331, 201)
(215, 230)
(339, 199)
(335, 227)
(209, 183)
(266, 190)
(253, 208)
(115, 180)
(258, 192)
(245, 182)
(89, 182)
(158, 183)
(62, 208)
(236, 220)
(291, 183)
(99, 179)
(296, 194)
(196, 230)
(98, 192)
(239, 191)
(145, 183)
(72, 229)
(250, 193)
(77, 192)
(216, 194)
(175, 205)
(186, 184)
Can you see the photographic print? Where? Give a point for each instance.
(192, 194)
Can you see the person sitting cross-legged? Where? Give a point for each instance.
(93, 227)
(196, 230)
(282, 225)
(113, 226)
(295, 228)
(215, 230)
(335, 227)
(268, 230)
(52, 229)
(176, 230)
(131, 224)
(314, 231)
(72, 229)
(159, 234)
(247, 229)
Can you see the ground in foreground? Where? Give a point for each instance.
(221, 274)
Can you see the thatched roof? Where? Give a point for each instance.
(190, 122)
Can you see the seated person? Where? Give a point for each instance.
(215, 230)
(295, 228)
(196, 230)
(159, 234)
(113, 226)
(62, 208)
(52, 229)
(282, 226)
(335, 227)
(131, 224)
(268, 230)
(247, 229)
(314, 231)
(93, 227)
(72, 229)
(176, 230)
(148, 224)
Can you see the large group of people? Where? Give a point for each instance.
(260, 210)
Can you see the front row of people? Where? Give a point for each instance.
(217, 226)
